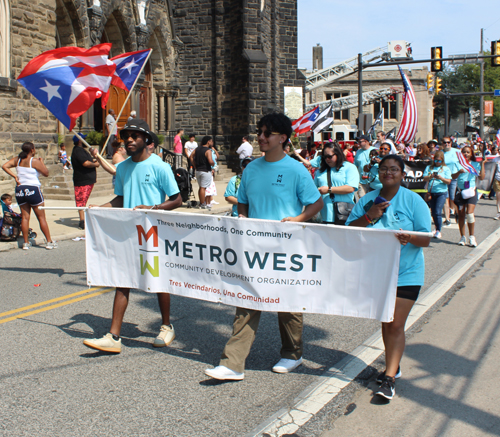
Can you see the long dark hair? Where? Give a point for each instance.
(337, 151)
(26, 148)
(473, 156)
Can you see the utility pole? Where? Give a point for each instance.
(481, 86)
(360, 89)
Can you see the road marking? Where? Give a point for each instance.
(318, 394)
(101, 290)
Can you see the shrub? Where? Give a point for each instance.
(95, 138)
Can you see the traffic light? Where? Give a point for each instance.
(430, 81)
(438, 85)
(495, 50)
(436, 53)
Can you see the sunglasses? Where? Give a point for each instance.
(446, 142)
(266, 133)
(328, 156)
(385, 148)
(438, 160)
(125, 135)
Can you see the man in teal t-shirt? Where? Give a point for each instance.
(142, 182)
(273, 187)
(360, 160)
(451, 161)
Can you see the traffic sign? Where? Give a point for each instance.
(497, 93)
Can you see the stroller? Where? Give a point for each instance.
(10, 225)
(185, 187)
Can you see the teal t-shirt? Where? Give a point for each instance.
(451, 160)
(375, 183)
(232, 190)
(361, 159)
(347, 175)
(435, 185)
(407, 211)
(316, 161)
(275, 190)
(463, 178)
(144, 183)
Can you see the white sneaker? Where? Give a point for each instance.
(26, 246)
(462, 241)
(51, 245)
(437, 234)
(214, 202)
(224, 373)
(165, 337)
(106, 344)
(286, 366)
(472, 241)
(497, 217)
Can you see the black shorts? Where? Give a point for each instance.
(29, 194)
(460, 201)
(409, 292)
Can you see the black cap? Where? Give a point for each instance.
(246, 160)
(138, 125)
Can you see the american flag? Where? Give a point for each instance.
(304, 123)
(409, 121)
(465, 164)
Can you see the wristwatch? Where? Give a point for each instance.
(330, 190)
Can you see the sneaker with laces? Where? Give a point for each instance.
(437, 234)
(388, 388)
(105, 344)
(51, 245)
(26, 246)
(462, 241)
(286, 366)
(447, 223)
(381, 376)
(224, 373)
(165, 337)
(472, 241)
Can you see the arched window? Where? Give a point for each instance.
(4, 38)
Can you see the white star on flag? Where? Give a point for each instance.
(129, 66)
(51, 90)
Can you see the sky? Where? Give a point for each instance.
(346, 28)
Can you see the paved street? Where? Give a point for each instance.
(52, 385)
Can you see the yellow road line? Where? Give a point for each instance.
(51, 307)
(57, 299)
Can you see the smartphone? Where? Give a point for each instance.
(379, 199)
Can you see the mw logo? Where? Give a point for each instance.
(143, 238)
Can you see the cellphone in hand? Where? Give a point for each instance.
(379, 199)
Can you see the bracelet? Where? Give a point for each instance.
(368, 219)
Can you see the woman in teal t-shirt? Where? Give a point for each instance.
(438, 177)
(401, 210)
(466, 195)
(344, 180)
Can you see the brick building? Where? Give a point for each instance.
(375, 79)
(217, 65)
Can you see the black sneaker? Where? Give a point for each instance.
(388, 388)
(381, 376)
(447, 223)
(81, 225)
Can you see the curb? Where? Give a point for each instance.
(39, 241)
(312, 399)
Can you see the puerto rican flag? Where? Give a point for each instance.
(466, 165)
(409, 120)
(498, 138)
(128, 67)
(304, 123)
(68, 80)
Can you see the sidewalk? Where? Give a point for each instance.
(63, 224)
(450, 383)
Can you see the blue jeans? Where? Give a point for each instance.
(437, 203)
(452, 188)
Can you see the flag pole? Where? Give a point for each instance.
(126, 100)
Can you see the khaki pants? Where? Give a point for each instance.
(245, 326)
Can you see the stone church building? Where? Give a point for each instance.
(217, 65)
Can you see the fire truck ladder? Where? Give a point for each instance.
(351, 101)
(343, 69)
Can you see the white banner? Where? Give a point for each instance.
(258, 264)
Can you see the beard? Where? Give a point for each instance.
(138, 150)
